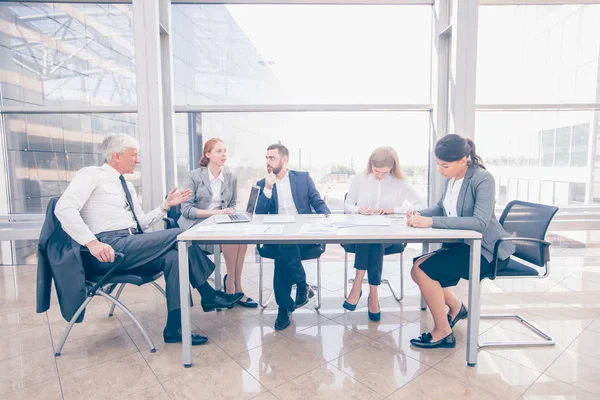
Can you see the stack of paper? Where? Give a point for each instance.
(366, 221)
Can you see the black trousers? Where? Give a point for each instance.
(368, 257)
(288, 270)
(157, 251)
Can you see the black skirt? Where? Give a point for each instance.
(451, 263)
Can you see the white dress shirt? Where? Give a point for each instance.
(390, 192)
(285, 199)
(451, 197)
(216, 183)
(95, 202)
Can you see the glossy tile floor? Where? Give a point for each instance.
(329, 354)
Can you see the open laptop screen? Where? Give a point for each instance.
(252, 200)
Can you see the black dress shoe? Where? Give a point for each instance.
(249, 303)
(424, 342)
(462, 314)
(284, 319)
(175, 337)
(221, 300)
(303, 295)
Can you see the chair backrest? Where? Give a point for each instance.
(528, 220)
(172, 217)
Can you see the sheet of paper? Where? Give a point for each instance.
(361, 220)
(223, 228)
(261, 229)
(278, 219)
(317, 228)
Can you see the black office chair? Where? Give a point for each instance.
(266, 251)
(98, 284)
(527, 224)
(172, 217)
(396, 248)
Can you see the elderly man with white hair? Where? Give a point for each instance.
(100, 210)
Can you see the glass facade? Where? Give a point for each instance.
(545, 54)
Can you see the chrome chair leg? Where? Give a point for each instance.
(346, 275)
(65, 335)
(112, 307)
(261, 285)
(157, 287)
(133, 318)
(548, 340)
(318, 303)
(397, 296)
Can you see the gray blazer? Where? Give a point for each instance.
(475, 206)
(198, 182)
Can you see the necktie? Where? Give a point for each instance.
(130, 202)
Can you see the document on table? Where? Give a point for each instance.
(260, 229)
(222, 228)
(278, 219)
(375, 220)
(317, 228)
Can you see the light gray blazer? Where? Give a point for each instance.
(475, 207)
(198, 182)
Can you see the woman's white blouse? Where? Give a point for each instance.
(390, 192)
(451, 197)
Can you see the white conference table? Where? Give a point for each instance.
(397, 232)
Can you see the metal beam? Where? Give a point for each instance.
(150, 101)
(539, 107)
(309, 2)
(534, 2)
(226, 108)
(79, 1)
(30, 109)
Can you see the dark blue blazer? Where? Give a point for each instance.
(305, 194)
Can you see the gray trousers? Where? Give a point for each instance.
(157, 251)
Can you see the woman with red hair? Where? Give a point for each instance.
(214, 191)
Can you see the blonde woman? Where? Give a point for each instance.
(382, 189)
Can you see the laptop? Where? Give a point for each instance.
(241, 217)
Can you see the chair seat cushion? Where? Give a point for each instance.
(307, 253)
(395, 248)
(136, 277)
(517, 268)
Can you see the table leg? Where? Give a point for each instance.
(184, 296)
(474, 306)
(423, 302)
(218, 278)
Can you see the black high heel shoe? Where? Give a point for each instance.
(249, 303)
(225, 290)
(374, 316)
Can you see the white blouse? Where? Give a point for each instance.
(216, 183)
(451, 197)
(390, 192)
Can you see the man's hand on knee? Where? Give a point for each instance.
(102, 251)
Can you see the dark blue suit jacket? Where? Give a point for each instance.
(305, 194)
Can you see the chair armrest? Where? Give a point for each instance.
(119, 258)
(545, 248)
(169, 222)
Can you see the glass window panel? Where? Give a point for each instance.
(542, 55)
(534, 191)
(66, 54)
(547, 194)
(561, 193)
(579, 146)
(577, 193)
(273, 54)
(562, 148)
(523, 190)
(323, 144)
(555, 143)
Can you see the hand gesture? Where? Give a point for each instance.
(270, 180)
(102, 251)
(418, 221)
(365, 210)
(175, 197)
(384, 211)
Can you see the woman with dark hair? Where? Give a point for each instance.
(468, 203)
(214, 191)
